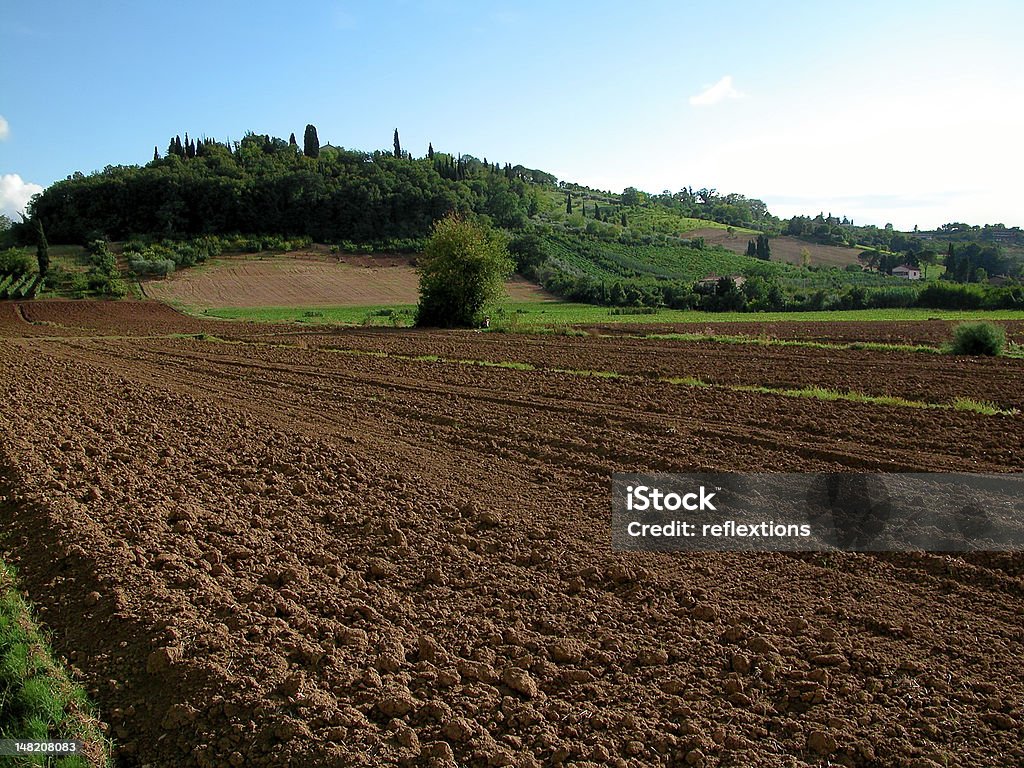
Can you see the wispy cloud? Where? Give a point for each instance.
(15, 193)
(714, 94)
(5, 129)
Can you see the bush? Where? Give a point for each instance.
(463, 269)
(14, 262)
(978, 339)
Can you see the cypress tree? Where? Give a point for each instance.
(310, 142)
(178, 149)
(430, 150)
(291, 140)
(624, 220)
(156, 154)
(568, 203)
(398, 145)
(751, 248)
(42, 250)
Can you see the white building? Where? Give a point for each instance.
(904, 270)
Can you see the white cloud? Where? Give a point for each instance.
(15, 194)
(5, 129)
(713, 94)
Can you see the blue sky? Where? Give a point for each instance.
(910, 114)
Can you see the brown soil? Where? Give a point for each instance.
(306, 280)
(786, 248)
(916, 376)
(928, 332)
(269, 553)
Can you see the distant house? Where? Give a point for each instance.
(712, 280)
(905, 270)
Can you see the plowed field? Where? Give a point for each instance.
(785, 248)
(268, 548)
(301, 280)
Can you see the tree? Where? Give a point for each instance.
(568, 203)
(310, 142)
(762, 249)
(291, 141)
(463, 269)
(398, 145)
(529, 253)
(42, 249)
(751, 248)
(156, 154)
(430, 150)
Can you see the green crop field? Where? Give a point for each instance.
(610, 260)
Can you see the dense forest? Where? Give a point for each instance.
(266, 185)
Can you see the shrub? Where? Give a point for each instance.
(978, 339)
(463, 269)
(14, 262)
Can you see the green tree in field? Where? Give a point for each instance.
(751, 248)
(310, 142)
(630, 196)
(291, 140)
(462, 271)
(102, 277)
(568, 203)
(762, 248)
(398, 145)
(42, 249)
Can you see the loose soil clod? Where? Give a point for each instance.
(299, 556)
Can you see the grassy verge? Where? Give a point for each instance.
(539, 316)
(37, 700)
(377, 315)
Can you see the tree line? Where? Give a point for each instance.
(266, 185)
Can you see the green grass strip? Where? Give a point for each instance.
(534, 316)
(764, 341)
(813, 393)
(37, 699)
